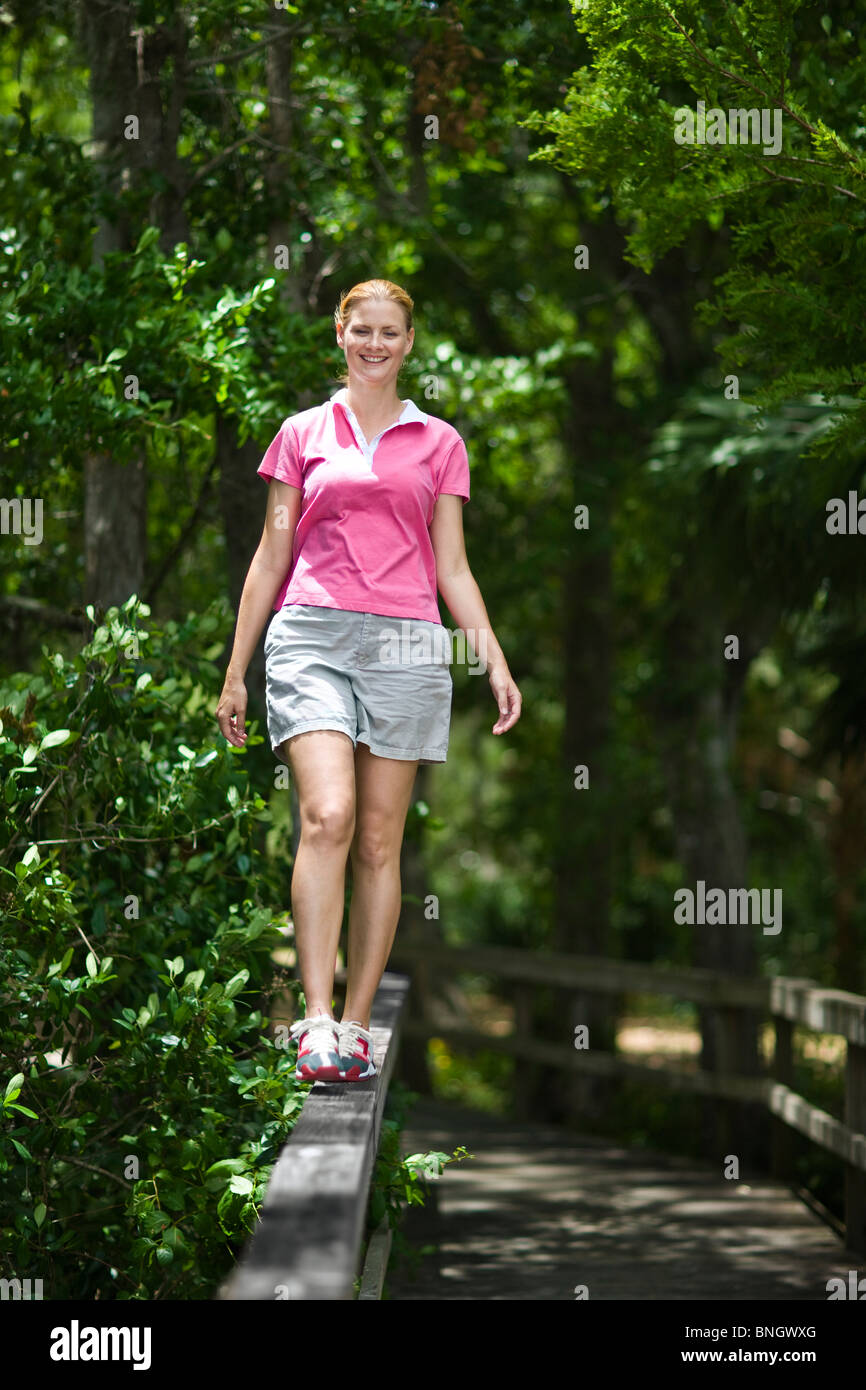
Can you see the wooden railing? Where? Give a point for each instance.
(308, 1241)
(786, 1001)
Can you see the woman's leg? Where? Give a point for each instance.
(383, 791)
(322, 765)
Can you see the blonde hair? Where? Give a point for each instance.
(371, 289)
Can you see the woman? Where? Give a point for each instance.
(357, 537)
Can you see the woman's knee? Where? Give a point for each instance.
(328, 821)
(375, 846)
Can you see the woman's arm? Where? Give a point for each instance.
(462, 595)
(269, 567)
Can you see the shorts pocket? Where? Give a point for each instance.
(409, 642)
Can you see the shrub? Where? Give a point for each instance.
(144, 1100)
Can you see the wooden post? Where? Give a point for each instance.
(414, 928)
(727, 1138)
(855, 1119)
(523, 1072)
(413, 1066)
(782, 1143)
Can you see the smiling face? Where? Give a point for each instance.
(375, 340)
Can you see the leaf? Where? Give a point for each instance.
(14, 1085)
(154, 1221)
(241, 1185)
(39, 1214)
(190, 1153)
(221, 1172)
(52, 740)
(236, 983)
(91, 965)
(147, 238)
(226, 1203)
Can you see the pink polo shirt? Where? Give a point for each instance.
(363, 541)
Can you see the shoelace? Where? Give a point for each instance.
(352, 1033)
(320, 1033)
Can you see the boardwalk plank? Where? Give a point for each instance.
(540, 1210)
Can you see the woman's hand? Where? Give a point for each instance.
(507, 697)
(231, 711)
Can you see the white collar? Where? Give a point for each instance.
(409, 415)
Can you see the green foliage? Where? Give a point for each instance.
(796, 214)
(130, 345)
(483, 1079)
(144, 1100)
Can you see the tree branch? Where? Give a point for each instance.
(274, 36)
(734, 77)
(80, 1163)
(44, 612)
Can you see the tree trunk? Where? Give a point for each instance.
(115, 528)
(582, 855)
(278, 66)
(847, 842)
(695, 711)
(125, 71)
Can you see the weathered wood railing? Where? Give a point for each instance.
(308, 1241)
(786, 1001)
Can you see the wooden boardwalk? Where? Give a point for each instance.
(540, 1210)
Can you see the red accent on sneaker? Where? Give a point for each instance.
(318, 1049)
(356, 1052)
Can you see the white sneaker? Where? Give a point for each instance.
(356, 1051)
(318, 1049)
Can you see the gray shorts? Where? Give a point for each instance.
(383, 681)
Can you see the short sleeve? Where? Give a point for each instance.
(454, 472)
(282, 458)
